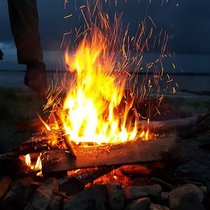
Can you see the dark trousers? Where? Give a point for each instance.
(24, 22)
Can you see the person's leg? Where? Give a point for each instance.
(24, 23)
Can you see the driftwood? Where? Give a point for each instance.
(175, 124)
(39, 142)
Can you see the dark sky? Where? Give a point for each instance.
(186, 21)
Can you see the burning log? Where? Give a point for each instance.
(92, 156)
(88, 175)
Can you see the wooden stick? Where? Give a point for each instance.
(64, 137)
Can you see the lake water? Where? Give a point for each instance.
(190, 82)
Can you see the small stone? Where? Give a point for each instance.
(190, 202)
(192, 169)
(176, 195)
(55, 203)
(165, 186)
(133, 192)
(42, 196)
(18, 194)
(139, 204)
(204, 189)
(158, 207)
(72, 186)
(116, 197)
(164, 196)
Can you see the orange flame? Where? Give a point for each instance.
(98, 108)
(34, 166)
(91, 110)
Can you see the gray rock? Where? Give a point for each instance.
(133, 192)
(116, 197)
(204, 189)
(165, 185)
(164, 196)
(94, 198)
(72, 186)
(55, 203)
(176, 195)
(139, 204)
(18, 194)
(158, 207)
(190, 202)
(192, 169)
(42, 196)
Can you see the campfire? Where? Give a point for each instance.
(100, 144)
(97, 110)
(97, 114)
